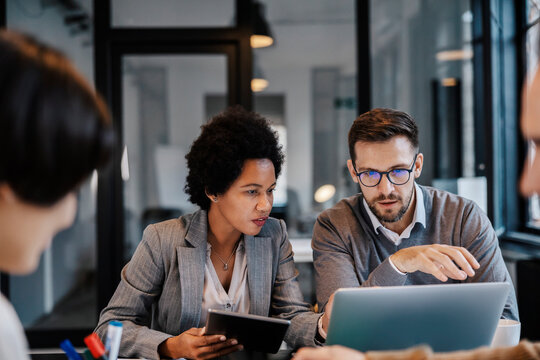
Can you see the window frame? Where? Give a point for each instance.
(519, 235)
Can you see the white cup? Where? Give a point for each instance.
(507, 333)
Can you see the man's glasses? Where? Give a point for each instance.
(371, 178)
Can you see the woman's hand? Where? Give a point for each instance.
(335, 352)
(194, 344)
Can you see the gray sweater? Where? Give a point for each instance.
(347, 252)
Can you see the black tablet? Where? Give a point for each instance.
(254, 332)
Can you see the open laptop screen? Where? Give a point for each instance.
(446, 317)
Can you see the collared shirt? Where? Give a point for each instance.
(418, 217)
(214, 295)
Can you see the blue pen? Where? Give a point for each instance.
(70, 351)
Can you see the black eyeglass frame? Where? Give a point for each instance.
(387, 173)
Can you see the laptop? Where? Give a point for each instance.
(447, 317)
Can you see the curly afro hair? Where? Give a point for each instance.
(217, 156)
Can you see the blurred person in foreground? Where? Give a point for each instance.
(54, 131)
(529, 185)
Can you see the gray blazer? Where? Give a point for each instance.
(161, 289)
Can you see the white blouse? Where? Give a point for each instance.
(215, 296)
(13, 345)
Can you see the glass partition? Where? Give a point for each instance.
(173, 13)
(164, 105)
(422, 63)
(310, 96)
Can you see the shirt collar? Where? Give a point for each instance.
(419, 211)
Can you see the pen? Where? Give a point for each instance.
(112, 342)
(96, 347)
(70, 351)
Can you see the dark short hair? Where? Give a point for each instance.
(217, 156)
(380, 125)
(54, 129)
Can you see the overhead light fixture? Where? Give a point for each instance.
(449, 82)
(262, 36)
(450, 55)
(258, 85)
(258, 82)
(324, 193)
(467, 17)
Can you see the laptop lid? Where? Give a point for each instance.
(446, 317)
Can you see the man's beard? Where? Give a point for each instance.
(389, 218)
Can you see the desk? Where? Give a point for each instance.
(56, 354)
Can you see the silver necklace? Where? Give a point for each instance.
(226, 262)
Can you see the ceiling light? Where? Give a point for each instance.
(258, 82)
(449, 82)
(258, 85)
(324, 193)
(262, 36)
(450, 55)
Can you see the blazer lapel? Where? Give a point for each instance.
(259, 262)
(191, 262)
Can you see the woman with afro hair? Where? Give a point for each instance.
(229, 255)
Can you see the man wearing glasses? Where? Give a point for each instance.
(396, 232)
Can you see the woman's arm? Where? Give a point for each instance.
(139, 288)
(287, 299)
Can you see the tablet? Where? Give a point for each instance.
(254, 332)
(447, 317)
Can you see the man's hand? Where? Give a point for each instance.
(441, 261)
(194, 344)
(335, 352)
(327, 313)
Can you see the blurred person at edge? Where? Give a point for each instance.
(529, 185)
(54, 131)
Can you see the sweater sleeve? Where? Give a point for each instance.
(525, 350)
(480, 239)
(335, 264)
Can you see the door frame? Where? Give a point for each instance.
(111, 44)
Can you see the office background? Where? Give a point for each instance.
(166, 66)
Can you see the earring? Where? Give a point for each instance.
(214, 199)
